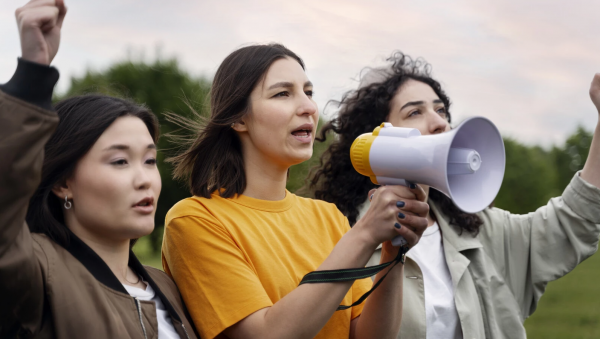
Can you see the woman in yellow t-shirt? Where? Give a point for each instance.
(241, 245)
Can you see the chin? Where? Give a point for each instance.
(140, 228)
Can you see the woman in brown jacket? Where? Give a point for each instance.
(73, 202)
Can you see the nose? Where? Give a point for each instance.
(307, 106)
(437, 124)
(142, 179)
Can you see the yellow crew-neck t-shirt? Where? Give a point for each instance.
(233, 257)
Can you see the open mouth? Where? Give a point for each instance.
(148, 201)
(303, 132)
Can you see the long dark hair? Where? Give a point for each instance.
(361, 111)
(213, 159)
(83, 119)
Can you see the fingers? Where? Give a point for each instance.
(411, 237)
(371, 194)
(44, 17)
(418, 208)
(62, 12)
(418, 191)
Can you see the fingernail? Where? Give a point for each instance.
(397, 225)
(371, 197)
(412, 186)
(401, 215)
(400, 204)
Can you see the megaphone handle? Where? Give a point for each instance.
(399, 241)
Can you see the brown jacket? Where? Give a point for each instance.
(49, 291)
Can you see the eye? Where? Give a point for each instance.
(309, 93)
(441, 110)
(119, 162)
(282, 94)
(151, 161)
(415, 112)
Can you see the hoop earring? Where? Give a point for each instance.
(68, 204)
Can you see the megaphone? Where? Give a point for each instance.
(466, 163)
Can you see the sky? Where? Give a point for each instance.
(526, 65)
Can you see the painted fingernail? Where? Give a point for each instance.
(412, 186)
(400, 204)
(397, 225)
(371, 197)
(401, 215)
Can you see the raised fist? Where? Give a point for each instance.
(39, 24)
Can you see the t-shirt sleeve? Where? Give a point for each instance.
(218, 284)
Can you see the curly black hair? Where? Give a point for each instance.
(361, 111)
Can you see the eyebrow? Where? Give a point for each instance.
(286, 84)
(122, 147)
(417, 103)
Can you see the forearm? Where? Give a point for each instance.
(24, 128)
(303, 312)
(591, 169)
(382, 313)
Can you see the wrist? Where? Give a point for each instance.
(33, 83)
(364, 235)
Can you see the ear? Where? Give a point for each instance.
(62, 190)
(240, 126)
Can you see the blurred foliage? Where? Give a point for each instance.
(163, 87)
(533, 174)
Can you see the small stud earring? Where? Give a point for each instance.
(68, 204)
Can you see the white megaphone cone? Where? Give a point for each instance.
(466, 163)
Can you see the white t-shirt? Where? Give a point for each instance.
(440, 310)
(165, 325)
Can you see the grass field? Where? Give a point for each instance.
(570, 308)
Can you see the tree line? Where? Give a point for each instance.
(533, 174)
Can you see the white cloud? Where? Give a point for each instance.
(525, 65)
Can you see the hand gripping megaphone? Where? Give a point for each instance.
(466, 163)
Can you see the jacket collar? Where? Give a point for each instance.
(100, 270)
(452, 234)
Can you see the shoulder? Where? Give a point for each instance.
(317, 205)
(161, 278)
(324, 211)
(194, 207)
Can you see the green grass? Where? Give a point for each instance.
(570, 308)
(144, 252)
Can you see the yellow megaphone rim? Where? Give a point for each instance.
(359, 153)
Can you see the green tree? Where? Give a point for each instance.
(529, 179)
(164, 87)
(571, 157)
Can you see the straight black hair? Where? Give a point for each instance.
(213, 159)
(83, 119)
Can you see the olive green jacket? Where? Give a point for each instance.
(500, 275)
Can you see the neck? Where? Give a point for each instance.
(264, 180)
(114, 253)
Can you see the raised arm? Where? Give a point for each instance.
(25, 126)
(591, 169)
(544, 245)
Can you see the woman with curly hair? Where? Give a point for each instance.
(471, 275)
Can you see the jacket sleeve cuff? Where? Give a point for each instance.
(33, 83)
(583, 198)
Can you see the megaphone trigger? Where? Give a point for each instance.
(399, 241)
